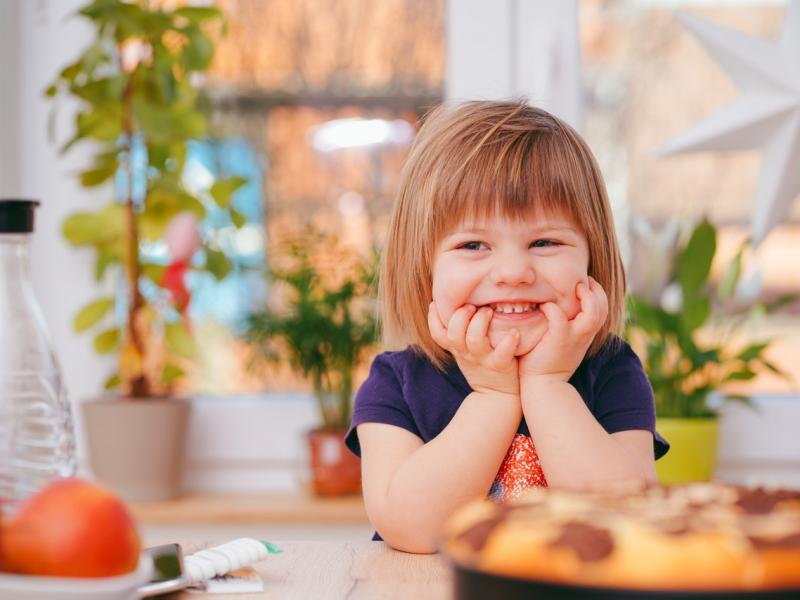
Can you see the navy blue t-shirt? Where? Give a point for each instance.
(406, 390)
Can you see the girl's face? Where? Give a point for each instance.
(512, 266)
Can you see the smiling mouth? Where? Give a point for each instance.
(513, 308)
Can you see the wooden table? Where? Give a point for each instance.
(352, 570)
(303, 507)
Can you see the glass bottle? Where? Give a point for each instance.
(37, 441)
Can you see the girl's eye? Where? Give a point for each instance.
(544, 244)
(472, 246)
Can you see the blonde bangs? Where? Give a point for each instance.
(515, 180)
(477, 161)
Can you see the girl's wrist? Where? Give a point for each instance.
(497, 396)
(537, 383)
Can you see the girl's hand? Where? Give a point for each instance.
(565, 343)
(486, 369)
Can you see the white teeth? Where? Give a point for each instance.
(512, 308)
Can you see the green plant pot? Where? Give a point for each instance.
(693, 450)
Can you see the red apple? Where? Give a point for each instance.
(71, 528)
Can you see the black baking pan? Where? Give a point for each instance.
(475, 585)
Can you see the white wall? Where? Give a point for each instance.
(9, 75)
(759, 444)
(507, 48)
(62, 276)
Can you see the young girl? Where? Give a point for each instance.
(502, 276)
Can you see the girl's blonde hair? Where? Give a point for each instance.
(476, 160)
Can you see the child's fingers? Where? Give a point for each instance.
(477, 332)
(436, 327)
(601, 297)
(457, 327)
(589, 308)
(505, 350)
(594, 308)
(556, 319)
(535, 341)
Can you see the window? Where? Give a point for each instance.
(322, 98)
(647, 79)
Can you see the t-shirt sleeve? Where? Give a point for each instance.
(624, 398)
(380, 400)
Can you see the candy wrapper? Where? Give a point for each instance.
(241, 581)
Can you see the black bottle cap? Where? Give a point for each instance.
(16, 215)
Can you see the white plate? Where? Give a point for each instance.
(121, 587)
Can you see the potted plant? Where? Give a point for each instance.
(139, 108)
(322, 330)
(691, 345)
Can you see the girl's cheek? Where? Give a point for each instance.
(444, 306)
(573, 310)
(445, 313)
(445, 303)
(570, 303)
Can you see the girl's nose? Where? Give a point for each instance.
(512, 269)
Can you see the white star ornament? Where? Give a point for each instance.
(765, 115)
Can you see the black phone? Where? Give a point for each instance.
(168, 575)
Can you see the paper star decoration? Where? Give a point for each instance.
(766, 115)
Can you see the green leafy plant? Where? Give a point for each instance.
(139, 109)
(322, 330)
(692, 350)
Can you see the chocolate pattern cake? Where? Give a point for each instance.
(700, 537)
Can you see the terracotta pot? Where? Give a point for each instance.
(137, 446)
(335, 471)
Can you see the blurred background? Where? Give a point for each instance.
(312, 105)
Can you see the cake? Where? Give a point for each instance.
(705, 537)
